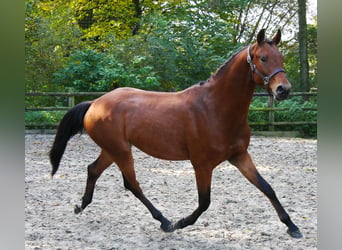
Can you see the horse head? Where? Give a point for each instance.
(266, 63)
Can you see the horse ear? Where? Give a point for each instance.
(276, 39)
(261, 36)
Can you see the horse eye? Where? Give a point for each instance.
(263, 59)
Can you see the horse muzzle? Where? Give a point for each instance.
(282, 91)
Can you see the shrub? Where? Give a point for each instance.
(89, 70)
(296, 112)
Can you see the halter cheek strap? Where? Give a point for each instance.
(254, 69)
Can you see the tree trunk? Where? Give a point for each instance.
(302, 38)
(137, 15)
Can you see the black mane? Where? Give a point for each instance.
(226, 64)
(223, 67)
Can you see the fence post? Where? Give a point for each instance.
(270, 113)
(71, 99)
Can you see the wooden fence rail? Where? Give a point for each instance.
(71, 102)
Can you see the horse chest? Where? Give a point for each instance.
(229, 143)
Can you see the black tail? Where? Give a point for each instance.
(71, 124)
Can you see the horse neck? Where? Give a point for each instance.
(232, 88)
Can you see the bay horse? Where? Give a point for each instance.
(206, 124)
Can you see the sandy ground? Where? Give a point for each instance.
(239, 216)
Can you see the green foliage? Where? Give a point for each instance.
(43, 117)
(89, 70)
(96, 18)
(291, 65)
(258, 116)
(50, 34)
(181, 42)
(298, 110)
(295, 105)
(179, 56)
(156, 45)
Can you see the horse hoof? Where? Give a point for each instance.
(77, 209)
(180, 224)
(295, 234)
(167, 227)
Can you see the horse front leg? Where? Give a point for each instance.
(244, 163)
(203, 181)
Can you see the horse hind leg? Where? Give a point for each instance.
(95, 170)
(244, 163)
(126, 184)
(126, 165)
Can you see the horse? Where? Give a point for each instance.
(205, 123)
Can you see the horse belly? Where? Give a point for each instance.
(160, 140)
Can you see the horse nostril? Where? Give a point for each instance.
(280, 90)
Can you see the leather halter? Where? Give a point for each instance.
(254, 69)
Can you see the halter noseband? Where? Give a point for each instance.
(254, 68)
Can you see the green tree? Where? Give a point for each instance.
(97, 18)
(121, 19)
(180, 42)
(90, 70)
(50, 35)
